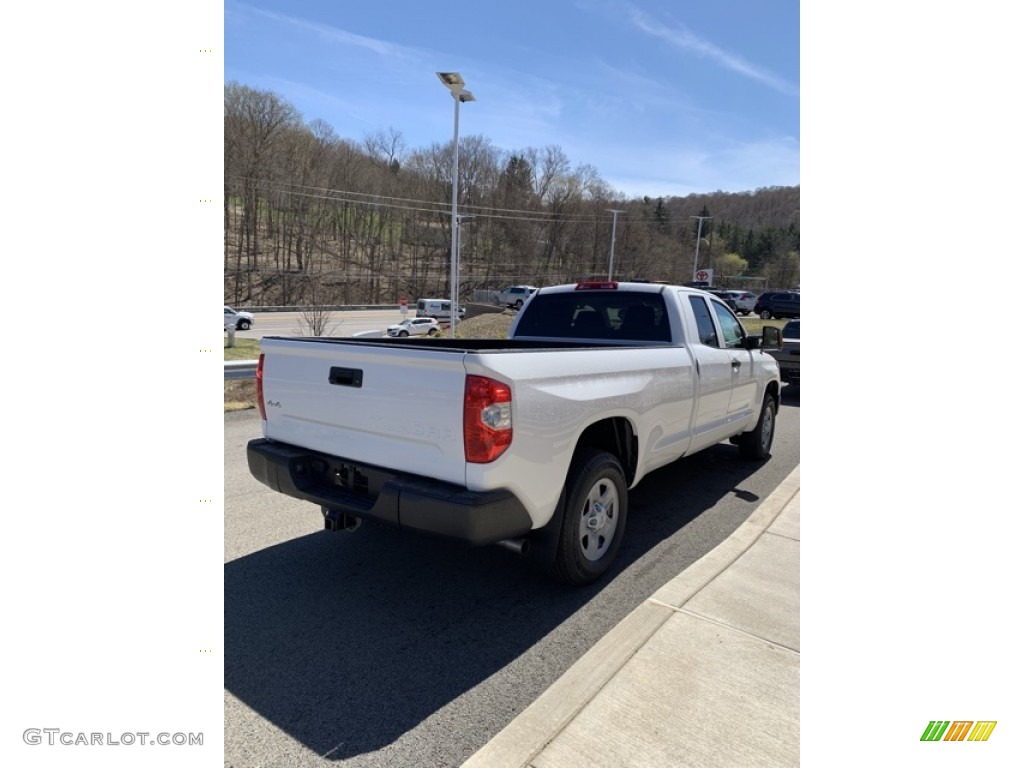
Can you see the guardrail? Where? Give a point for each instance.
(319, 308)
(240, 369)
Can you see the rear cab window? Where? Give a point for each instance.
(614, 315)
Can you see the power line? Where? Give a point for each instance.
(491, 212)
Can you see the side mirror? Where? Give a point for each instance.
(771, 337)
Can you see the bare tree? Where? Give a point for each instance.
(313, 219)
(318, 321)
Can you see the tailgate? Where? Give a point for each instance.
(399, 408)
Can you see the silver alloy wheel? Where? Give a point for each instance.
(598, 519)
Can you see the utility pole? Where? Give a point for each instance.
(611, 256)
(696, 255)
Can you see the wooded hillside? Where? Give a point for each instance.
(314, 218)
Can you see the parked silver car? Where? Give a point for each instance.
(789, 356)
(516, 295)
(745, 301)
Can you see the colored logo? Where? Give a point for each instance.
(958, 730)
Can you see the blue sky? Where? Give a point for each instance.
(662, 97)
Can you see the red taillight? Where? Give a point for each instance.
(486, 419)
(259, 389)
(591, 285)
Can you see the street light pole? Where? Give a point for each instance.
(611, 256)
(453, 82)
(696, 255)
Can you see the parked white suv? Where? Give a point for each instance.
(745, 301)
(516, 295)
(241, 321)
(415, 326)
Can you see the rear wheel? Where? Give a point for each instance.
(766, 314)
(594, 518)
(756, 445)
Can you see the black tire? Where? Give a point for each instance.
(403, 334)
(594, 518)
(519, 304)
(766, 314)
(756, 445)
(433, 332)
(243, 325)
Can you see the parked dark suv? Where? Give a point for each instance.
(777, 304)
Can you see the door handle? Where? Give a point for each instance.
(736, 364)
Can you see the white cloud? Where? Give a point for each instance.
(381, 47)
(683, 38)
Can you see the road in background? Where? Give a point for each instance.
(347, 323)
(383, 647)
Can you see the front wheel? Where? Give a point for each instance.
(756, 445)
(243, 325)
(594, 517)
(403, 334)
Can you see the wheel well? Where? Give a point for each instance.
(616, 436)
(773, 390)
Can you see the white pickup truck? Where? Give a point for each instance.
(533, 441)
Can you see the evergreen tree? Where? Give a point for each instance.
(661, 218)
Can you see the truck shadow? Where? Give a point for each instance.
(347, 642)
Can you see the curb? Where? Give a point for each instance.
(522, 740)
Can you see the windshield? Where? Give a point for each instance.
(791, 331)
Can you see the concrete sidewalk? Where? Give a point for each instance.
(705, 673)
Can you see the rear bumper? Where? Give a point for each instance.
(405, 500)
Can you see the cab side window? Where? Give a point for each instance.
(731, 328)
(706, 333)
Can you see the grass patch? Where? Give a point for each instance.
(244, 349)
(755, 324)
(240, 394)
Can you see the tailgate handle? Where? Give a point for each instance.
(346, 377)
